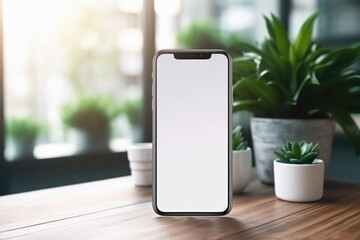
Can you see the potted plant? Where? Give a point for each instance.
(90, 119)
(206, 35)
(22, 133)
(241, 173)
(296, 91)
(131, 109)
(299, 176)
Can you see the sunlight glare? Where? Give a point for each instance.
(130, 40)
(169, 8)
(130, 6)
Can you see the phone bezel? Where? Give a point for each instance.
(191, 54)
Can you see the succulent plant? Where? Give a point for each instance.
(298, 80)
(239, 142)
(298, 153)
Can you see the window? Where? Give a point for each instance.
(65, 64)
(337, 22)
(72, 76)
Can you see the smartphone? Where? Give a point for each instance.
(192, 140)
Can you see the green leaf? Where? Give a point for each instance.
(304, 68)
(300, 89)
(296, 150)
(336, 61)
(252, 106)
(290, 154)
(281, 38)
(349, 126)
(303, 39)
(343, 84)
(236, 137)
(288, 146)
(270, 27)
(241, 91)
(238, 140)
(281, 157)
(247, 47)
(268, 75)
(304, 147)
(260, 89)
(269, 47)
(295, 161)
(270, 59)
(313, 56)
(343, 52)
(310, 157)
(315, 149)
(280, 90)
(243, 66)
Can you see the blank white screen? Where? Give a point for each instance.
(192, 134)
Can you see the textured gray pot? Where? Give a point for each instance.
(269, 134)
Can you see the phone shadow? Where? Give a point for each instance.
(204, 227)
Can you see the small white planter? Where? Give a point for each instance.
(140, 158)
(241, 174)
(299, 182)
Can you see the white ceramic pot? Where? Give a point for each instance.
(140, 158)
(241, 174)
(270, 134)
(299, 182)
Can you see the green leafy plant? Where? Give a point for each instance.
(280, 79)
(200, 34)
(239, 142)
(131, 108)
(23, 128)
(90, 113)
(298, 153)
(205, 35)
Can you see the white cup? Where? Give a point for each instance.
(140, 158)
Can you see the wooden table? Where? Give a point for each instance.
(115, 209)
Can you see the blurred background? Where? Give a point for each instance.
(70, 66)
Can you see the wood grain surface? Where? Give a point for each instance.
(115, 209)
